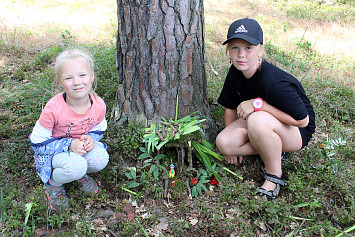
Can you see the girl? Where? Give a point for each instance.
(66, 138)
(266, 109)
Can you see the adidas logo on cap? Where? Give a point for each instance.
(241, 29)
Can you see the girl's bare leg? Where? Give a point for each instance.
(270, 137)
(234, 142)
(261, 134)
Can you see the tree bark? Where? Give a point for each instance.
(160, 54)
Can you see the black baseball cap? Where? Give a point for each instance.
(245, 29)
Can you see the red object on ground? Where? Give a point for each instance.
(214, 181)
(194, 181)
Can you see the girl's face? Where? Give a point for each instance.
(76, 79)
(245, 56)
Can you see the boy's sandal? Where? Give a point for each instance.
(271, 194)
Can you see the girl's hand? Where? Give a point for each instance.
(77, 146)
(89, 142)
(245, 109)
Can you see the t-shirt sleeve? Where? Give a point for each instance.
(229, 96)
(47, 117)
(101, 109)
(287, 97)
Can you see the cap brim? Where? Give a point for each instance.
(247, 38)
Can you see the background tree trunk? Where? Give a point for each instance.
(160, 53)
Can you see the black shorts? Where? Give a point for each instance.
(306, 136)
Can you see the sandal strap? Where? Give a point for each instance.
(275, 179)
(270, 194)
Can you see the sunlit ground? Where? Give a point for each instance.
(40, 24)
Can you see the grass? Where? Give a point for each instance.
(318, 202)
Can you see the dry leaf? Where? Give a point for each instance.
(99, 221)
(43, 232)
(130, 211)
(193, 221)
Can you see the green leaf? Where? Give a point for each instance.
(191, 130)
(152, 168)
(233, 173)
(203, 180)
(299, 218)
(133, 173)
(28, 210)
(143, 177)
(132, 184)
(128, 175)
(177, 136)
(146, 165)
(198, 187)
(346, 231)
(212, 153)
(162, 167)
(194, 192)
(204, 172)
(159, 157)
(143, 156)
(203, 187)
(162, 144)
(156, 173)
(127, 190)
(205, 158)
(143, 149)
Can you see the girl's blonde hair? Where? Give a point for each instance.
(71, 54)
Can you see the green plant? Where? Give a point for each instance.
(330, 148)
(204, 152)
(153, 163)
(199, 183)
(67, 36)
(2, 207)
(132, 174)
(157, 135)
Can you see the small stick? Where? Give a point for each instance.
(188, 187)
(111, 232)
(190, 154)
(165, 123)
(173, 128)
(166, 187)
(299, 228)
(163, 131)
(182, 152)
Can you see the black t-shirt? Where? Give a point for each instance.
(275, 86)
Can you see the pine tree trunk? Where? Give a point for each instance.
(160, 54)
